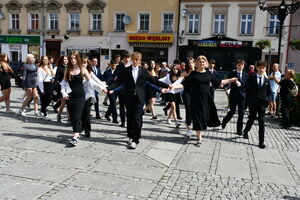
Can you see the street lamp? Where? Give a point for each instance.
(181, 37)
(281, 11)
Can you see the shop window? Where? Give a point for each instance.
(144, 22)
(219, 24)
(273, 28)
(14, 21)
(193, 22)
(96, 22)
(168, 21)
(119, 24)
(53, 21)
(74, 20)
(34, 21)
(246, 24)
(34, 50)
(15, 53)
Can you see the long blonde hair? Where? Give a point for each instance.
(4, 64)
(76, 54)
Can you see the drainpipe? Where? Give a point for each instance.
(177, 38)
(43, 28)
(288, 46)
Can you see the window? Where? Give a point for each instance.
(168, 19)
(144, 22)
(193, 21)
(15, 21)
(74, 21)
(273, 25)
(53, 21)
(120, 26)
(219, 24)
(246, 24)
(96, 22)
(34, 21)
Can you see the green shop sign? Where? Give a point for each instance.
(9, 39)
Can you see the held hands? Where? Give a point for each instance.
(170, 87)
(233, 80)
(104, 90)
(165, 90)
(110, 92)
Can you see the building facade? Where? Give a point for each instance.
(293, 60)
(228, 30)
(97, 28)
(150, 28)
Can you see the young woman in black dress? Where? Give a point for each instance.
(29, 78)
(5, 73)
(204, 112)
(151, 93)
(186, 96)
(73, 92)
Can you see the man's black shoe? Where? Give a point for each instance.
(105, 103)
(223, 125)
(239, 133)
(98, 117)
(122, 124)
(115, 121)
(246, 135)
(166, 111)
(262, 145)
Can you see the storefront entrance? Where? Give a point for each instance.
(156, 54)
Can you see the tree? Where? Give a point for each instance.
(263, 44)
(295, 44)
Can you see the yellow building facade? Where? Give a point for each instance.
(100, 28)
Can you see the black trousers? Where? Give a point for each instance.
(285, 111)
(46, 97)
(75, 108)
(122, 107)
(86, 117)
(254, 109)
(96, 104)
(187, 104)
(134, 120)
(241, 110)
(112, 107)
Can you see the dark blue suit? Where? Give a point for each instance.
(237, 97)
(97, 72)
(110, 79)
(258, 98)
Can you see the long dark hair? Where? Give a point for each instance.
(61, 61)
(76, 54)
(4, 63)
(174, 77)
(89, 65)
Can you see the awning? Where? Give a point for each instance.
(158, 45)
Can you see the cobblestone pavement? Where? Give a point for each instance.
(35, 162)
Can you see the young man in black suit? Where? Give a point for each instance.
(237, 96)
(211, 69)
(258, 89)
(109, 76)
(133, 80)
(97, 72)
(120, 67)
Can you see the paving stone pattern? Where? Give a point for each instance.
(35, 162)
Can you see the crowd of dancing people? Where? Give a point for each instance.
(76, 81)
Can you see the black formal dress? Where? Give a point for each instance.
(258, 101)
(5, 78)
(134, 96)
(237, 98)
(204, 112)
(76, 102)
(286, 101)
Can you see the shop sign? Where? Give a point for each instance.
(206, 43)
(231, 44)
(290, 65)
(150, 38)
(9, 39)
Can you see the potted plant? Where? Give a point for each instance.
(263, 44)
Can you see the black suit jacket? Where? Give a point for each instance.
(235, 91)
(110, 79)
(258, 95)
(132, 89)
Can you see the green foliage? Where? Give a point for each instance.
(295, 44)
(262, 44)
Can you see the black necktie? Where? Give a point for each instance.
(260, 81)
(239, 75)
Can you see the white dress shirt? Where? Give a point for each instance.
(135, 72)
(262, 80)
